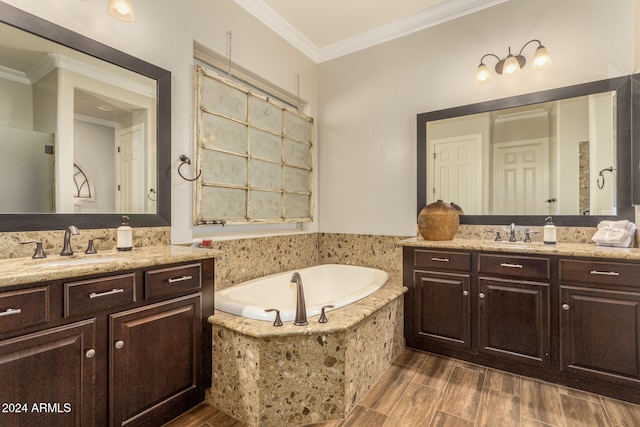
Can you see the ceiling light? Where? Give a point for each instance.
(513, 63)
(121, 9)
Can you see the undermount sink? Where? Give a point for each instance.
(79, 261)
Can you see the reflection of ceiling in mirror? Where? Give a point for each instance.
(100, 106)
(22, 52)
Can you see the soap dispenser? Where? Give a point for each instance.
(549, 232)
(124, 240)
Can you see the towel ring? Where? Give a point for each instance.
(600, 175)
(186, 161)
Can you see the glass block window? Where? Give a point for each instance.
(254, 153)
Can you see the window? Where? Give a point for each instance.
(254, 153)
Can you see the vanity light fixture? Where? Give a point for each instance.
(512, 64)
(121, 9)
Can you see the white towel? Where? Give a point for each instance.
(615, 233)
(622, 224)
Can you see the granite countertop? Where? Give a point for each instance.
(18, 271)
(339, 319)
(533, 248)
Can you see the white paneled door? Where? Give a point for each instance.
(454, 168)
(521, 177)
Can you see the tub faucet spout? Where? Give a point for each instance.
(301, 309)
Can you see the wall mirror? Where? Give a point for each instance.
(563, 153)
(85, 132)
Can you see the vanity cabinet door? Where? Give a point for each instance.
(155, 361)
(441, 309)
(513, 319)
(47, 377)
(600, 333)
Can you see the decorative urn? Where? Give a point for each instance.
(439, 221)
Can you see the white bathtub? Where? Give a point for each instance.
(326, 284)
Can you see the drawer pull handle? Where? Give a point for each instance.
(93, 295)
(180, 279)
(482, 295)
(565, 307)
(118, 344)
(605, 273)
(440, 259)
(504, 264)
(90, 353)
(10, 311)
(465, 293)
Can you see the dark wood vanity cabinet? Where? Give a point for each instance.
(156, 349)
(561, 319)
(481, 303)
(130, 348)
(440, 303)
(513, 307)
(600, 320)
(48, 377)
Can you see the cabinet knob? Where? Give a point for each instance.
(465, 293)
(482, 295)
(119, 344)
(89, 353)
(565, 306)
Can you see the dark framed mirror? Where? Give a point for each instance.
(505, 122)
(152, 197)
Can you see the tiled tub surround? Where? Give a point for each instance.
(291, 375)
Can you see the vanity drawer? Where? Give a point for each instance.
(601, 273)
(21, 309)
(172, 280)
(441, 260)
(93, 295)
(527, 268)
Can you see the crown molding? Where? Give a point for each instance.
(14, 75)
(280, 26)
(430, 17)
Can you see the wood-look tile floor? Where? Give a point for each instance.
(422, 389)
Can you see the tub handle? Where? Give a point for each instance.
(278, 321)
(323, 317)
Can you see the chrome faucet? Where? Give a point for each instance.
(301, 309)
(66, 248)
(512, 232)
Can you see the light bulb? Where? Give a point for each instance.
(541, 58)
(121, 10)
(483, 75)
(511, 65)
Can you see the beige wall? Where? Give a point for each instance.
(369, 99)
(163, 34)
(365, 103)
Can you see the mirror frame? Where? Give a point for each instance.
(622, 86)
(29, 222)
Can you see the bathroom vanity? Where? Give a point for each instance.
(566, 313)
(122, 340)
